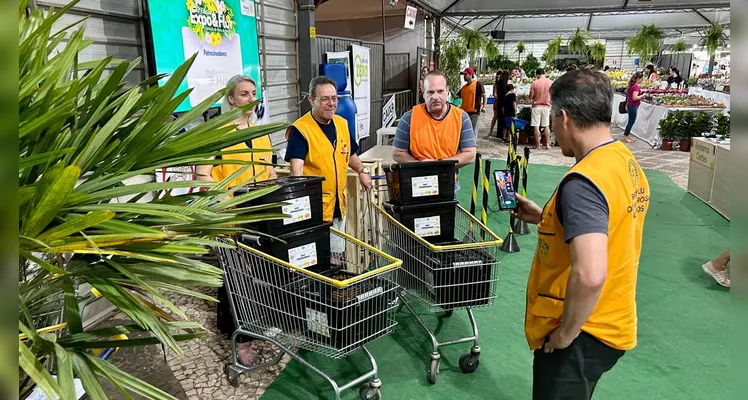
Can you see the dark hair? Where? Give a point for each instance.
(320, 80)
(585, 95)
(606, 68)
(509, 88)
(539, 71)
(635, 77)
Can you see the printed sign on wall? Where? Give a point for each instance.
(361, 89)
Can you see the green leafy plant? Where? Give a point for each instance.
(501, 63)
(713, 38)
(82, 133)
(551, 52)
(667, 126)
(451, 54)
(685, 124)
(578, 42)
(702, 123)
(530, 65)
(521, 48)
(646, 42)
(722, 128)
(679, 46)
(476, 42)
(597, 52)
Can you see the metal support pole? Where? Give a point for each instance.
(308, 58)
(437, 38)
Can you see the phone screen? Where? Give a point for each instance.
(505, 189)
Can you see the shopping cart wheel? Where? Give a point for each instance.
(368, 393)
(434, 371)
(469, 362)
(233, 375)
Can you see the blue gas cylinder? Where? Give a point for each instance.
(346, 106)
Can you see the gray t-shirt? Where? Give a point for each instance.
(402, 135)
(581, 207)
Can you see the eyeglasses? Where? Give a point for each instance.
(332, 99)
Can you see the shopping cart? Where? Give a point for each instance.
(333, 313)
(444, 277)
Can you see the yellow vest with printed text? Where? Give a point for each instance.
(327, 161)
(259, 171)
(617, 175)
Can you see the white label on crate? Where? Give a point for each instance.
(425, 186)
(370, 293)
(303, 256)
(427, 226)
(317, 322)
(298, 210)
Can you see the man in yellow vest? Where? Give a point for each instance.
(435, 130)
(320, 144)
(473, 96)
(581, 307)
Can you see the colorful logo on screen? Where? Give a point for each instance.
(211, 20)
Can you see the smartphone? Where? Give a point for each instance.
(505, 189)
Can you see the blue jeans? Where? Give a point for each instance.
(632, 110)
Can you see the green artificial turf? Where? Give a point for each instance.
(683, 318)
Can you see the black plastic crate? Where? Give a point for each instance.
(305, 211)
(342, 317)
(421, 182)
(432, 222)
(306, 248)
(461, 278)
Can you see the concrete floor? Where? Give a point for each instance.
(199, 372)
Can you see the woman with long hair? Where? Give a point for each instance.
(651, 73)
(633, 101)
(242, 91)
(499, 91)
(496, 105)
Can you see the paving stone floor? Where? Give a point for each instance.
(199, 372)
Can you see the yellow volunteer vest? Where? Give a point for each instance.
(615, 172)
(432, 139)
(221, 171)
(468, 96)
(326, 161)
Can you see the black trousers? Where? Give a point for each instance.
(572, 373)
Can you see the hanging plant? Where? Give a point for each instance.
(713, 38)
(679, 46)
(578, 42)
(597, 51)
(450, 58)
(490, 50)
(530, 65)
(646, 43)
(551, 52)
(474, 42)
(520, 49)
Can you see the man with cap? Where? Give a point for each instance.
(473, 96)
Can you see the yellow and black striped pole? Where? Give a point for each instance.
(510, 244)
(484, 206)
(476, 182)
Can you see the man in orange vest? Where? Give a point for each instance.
(581, 307)
(435, 130)
(320, 144)
(473, 96)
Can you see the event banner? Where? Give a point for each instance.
(223, 33)
(361, 91)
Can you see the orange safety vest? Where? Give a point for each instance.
(326, 161)
(618, 176)
(467, 94)
(434, 139)
(260, 172)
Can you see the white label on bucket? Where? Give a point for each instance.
(303, 256)
(425, 185)
(317, 322)
(297, 210)
(428, 226)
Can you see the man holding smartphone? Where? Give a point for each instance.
(581, 307)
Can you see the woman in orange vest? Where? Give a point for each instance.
(242, 91)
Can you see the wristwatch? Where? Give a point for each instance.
(364, 171)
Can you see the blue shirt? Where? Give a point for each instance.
(402, 135)
(298, 147)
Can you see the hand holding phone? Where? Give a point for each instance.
(505, 189)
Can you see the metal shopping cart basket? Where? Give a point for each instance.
(444, 277)
(333, 313)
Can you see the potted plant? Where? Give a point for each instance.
(684, 129)
(722, 129)
(702, 123)
(666, 131)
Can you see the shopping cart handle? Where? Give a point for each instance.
(250, 238)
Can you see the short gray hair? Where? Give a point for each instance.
(586, 95)
(232, 84)
(320, 80)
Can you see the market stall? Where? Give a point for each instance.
(720, 97)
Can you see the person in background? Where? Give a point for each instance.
(435, 130)
(633, 101)
(499, 90)
(606, 69)
(510, 110)
(241, 91)
(320, 144)
(580, 316)
(473, 96)
(674, 78)
(424, 71)
(651, 73)
(717, 268)
(541, 107)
